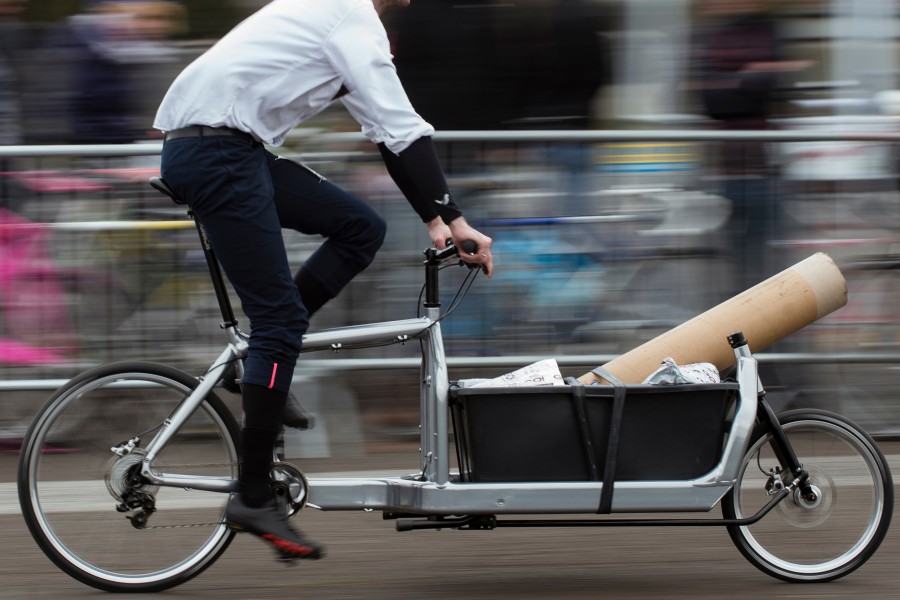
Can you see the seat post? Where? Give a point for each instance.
(218, 280)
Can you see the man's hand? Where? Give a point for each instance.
(459, 231)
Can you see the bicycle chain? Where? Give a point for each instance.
(187, 526)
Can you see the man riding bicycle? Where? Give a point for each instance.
(278, 68)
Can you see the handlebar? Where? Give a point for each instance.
(433, 255)
(433, 259)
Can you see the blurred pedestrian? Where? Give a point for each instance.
(445, 55)
(738, 59)
(15, 42)
(281, 66)
(528, 64)
(13, 45)
(87, 88)
(553, 59)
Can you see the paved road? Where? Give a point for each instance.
(368, 559)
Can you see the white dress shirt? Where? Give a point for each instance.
(285, 64)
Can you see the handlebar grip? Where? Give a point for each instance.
(468, 246)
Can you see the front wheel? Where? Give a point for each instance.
(82, 495)
(829, 534)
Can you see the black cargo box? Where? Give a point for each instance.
(556, 433)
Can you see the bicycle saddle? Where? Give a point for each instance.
(159, 184)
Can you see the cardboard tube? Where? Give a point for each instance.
(765, 313)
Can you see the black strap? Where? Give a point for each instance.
(583, 426)
(615, 423)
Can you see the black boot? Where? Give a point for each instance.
(296, 416)
(269, 524)
(254, 508)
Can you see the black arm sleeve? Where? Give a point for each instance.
(417, 172)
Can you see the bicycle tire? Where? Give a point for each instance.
(72, 515)
(804, 541)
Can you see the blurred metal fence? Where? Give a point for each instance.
(603, 240)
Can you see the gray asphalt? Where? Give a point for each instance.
(367, 558)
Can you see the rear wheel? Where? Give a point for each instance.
(830, 534)
(73, 482)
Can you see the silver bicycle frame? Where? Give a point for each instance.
(433, 490)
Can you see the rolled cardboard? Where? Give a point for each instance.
(765, 313)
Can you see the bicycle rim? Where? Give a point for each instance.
(70, 481)
(822, 539)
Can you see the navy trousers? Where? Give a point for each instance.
(243, 195)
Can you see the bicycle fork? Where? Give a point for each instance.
(782, 448)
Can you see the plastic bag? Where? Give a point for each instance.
(671, 373)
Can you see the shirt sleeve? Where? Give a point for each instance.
(359, 51)
(417, 172)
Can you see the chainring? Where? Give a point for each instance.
(291, 487)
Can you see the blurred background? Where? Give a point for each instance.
(636, 162)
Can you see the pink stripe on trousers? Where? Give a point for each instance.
(272, 381)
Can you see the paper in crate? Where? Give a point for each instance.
(543, 372)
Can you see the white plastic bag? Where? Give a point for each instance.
(671, 373)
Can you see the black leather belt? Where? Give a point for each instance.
(205, 131)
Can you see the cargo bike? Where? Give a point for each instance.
(806, 496)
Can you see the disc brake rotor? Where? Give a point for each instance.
(810, 512)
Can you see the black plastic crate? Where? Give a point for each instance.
(667, 432)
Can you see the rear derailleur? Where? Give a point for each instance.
(143, 505)
(126, 484)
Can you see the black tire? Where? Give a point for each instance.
(830, 537)
(69, 484)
